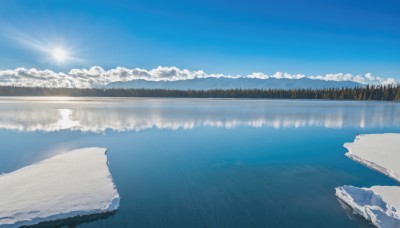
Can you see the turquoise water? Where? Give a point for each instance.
(207, 162)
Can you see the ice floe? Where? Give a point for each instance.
(380, 152)
(75, 183)
(378, 204)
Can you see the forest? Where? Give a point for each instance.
(369, 92)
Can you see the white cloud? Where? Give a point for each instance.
(368, 78)
(258, 75)
(280, 75)
(97, 76)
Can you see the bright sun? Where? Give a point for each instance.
(59, 54)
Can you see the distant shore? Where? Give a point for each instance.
(383, 93)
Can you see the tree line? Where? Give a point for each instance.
(369, 92)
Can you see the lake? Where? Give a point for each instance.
(206, 162)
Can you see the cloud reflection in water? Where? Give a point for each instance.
(136, 114)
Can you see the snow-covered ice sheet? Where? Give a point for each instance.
(378, 204)
(74, 183)
(377, 151)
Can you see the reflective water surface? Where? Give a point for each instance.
(206, 162)
(101, 114)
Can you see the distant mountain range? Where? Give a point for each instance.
(233, 83)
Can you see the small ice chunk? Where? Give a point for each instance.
(74, 183)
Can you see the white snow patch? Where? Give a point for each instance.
(378, 204)
(74, 183)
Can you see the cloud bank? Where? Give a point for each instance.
(97, 76)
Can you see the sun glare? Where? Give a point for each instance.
(59, 54)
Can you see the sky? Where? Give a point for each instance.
(235, 37)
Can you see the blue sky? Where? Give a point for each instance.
(230, 37)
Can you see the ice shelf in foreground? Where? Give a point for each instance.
(380, 152)
(378, 204)
(74, 183)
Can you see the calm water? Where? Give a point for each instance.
(206, 162)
